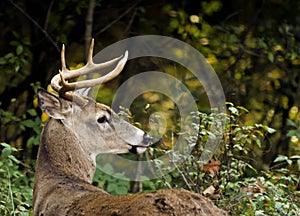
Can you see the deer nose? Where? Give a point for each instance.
(147, 139)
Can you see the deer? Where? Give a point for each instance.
(78, 130)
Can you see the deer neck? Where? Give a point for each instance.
(61, 154)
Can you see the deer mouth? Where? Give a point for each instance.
(141, 148)
(138, 149)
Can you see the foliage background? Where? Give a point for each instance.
(252, 45)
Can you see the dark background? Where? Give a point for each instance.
(252, 45)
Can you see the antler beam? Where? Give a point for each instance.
(64, 74)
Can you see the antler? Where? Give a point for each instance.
(64, 75)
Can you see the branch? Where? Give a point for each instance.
(36, 24)
(48, 14)
(116, 20)
(131, 21)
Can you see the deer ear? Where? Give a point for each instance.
(54, 106)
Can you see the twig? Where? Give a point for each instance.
(183, 176)
(231, 16)
(10, 192)
(48, 15)
(131, 21)
(36, 24)
(116, 20)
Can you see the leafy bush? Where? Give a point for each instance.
(111, 184)
(230, 177)
(15, 185)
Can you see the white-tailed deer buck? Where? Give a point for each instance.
(79, 130)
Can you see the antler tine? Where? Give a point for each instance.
(58, 77)
(93, 82)
(90, 67)
(101, 80)
(90, 54)
(63, 59)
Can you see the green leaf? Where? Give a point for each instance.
(19, 50)
(17, 67)
(242, 108)
(6, 152)
(30, 142)
(291, 123)
(229, 103)
(233, 39)
(291, 133)
(262, 43)
(298, 165)
(13, 158)
(5, 145)
(28, 123)
(32, 112)
(257, 141)
(281, 158)
(233, 110)
(271, 57)
(270, 130)
(239, 147)
(298, 134)
(2, 61)
(9, 55)
(107, 168)
(266, 128)
(112, 187)
(122, 190)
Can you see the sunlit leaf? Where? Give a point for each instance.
(233, 110)
(271, 57)
(281, 158)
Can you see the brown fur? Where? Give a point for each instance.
(70, 142)
(66, 165)
(63, 185)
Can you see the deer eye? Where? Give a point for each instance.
(102, 119)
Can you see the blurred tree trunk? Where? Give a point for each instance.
(89, 26)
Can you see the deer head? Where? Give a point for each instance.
(95, 125)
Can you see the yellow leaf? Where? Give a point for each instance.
(35, 102)
(45, 117)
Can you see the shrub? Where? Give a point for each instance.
(16, 184)
(230, 178)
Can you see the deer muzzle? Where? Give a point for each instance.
(141, 148)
